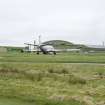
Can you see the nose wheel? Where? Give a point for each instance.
(54, 53)
(37, 53)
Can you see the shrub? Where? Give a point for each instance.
(76, 80)
(50, 70)
(101, 74)
(65, 71)
(34, 76)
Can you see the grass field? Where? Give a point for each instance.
(59, 58)
(64, 79)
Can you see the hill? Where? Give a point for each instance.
(64, 44)
(60, 44)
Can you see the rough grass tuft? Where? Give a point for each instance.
(76, 80)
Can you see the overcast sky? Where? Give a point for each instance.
(77, 21)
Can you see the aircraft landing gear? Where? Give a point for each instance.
(54, 53)
(37, 53)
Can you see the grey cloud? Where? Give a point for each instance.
(80, 21)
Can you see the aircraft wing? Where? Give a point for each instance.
(30, 44)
